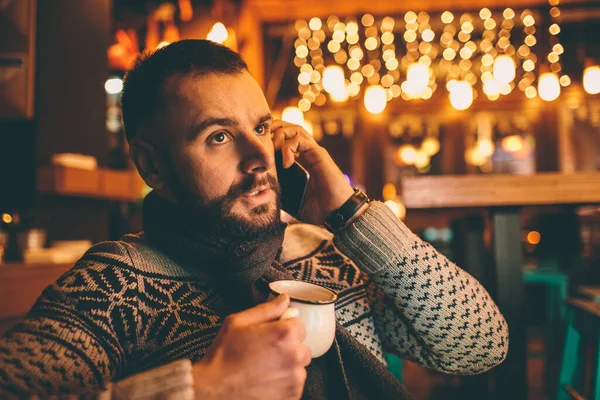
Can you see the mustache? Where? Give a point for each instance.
(250, 184)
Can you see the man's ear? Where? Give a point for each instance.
(148, 162)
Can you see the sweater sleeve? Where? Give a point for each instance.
(426, 309)
(76, 337)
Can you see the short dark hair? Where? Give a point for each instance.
(143, 85)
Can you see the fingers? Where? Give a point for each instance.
(290, 313)
(265, 312)
(291, 139)
(289, 330)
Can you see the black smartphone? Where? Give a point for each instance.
(293, 182)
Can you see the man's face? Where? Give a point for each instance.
(220, 161)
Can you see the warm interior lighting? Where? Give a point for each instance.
(375, 99)
(389, 191)
(428, 35)
(421, 159)
(447, 17)
(461, 95)
(417, 79)
(293, 115)
(430, 146)
(218, 33)
(473, 157)
(504, 69)
(548, 86)
(407, 154)
(591, 79)
(334, 83)
(485, 147)
(565, 81)
(113, 85)
(308, 126)
(341, 95)
(315, 24)
(534, 237)
(7, 218)
(512, 143)
(333, 78)
(397, 208)
(491, 88)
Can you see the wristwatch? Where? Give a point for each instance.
(338, 219)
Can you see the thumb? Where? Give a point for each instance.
(266, 312)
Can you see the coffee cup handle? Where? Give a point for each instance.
(289, 313)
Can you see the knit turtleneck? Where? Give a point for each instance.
(233, 261)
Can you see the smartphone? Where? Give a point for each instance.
(293, 182)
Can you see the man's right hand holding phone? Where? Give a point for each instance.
(328, 188)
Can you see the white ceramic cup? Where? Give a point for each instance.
(315, 307)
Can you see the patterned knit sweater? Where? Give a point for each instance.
(125, 307)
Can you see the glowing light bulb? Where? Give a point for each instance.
(491, 88)
(293, 115)
(461, 95)
(113, 85)
(548, 86)
(473, 157)
(421, 159)
(389, 191)
(430, 146)
(530, 92)
(417, 79)
(504, 69)
(315, 24)
(485, 147)
(333, 79)
(397, 208)
(513, 143)
(428, 35)
(591, 79)
(407, 154)
(341, 94)
(375, 99)
(218, 33)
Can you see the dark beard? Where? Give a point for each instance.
(216, 214)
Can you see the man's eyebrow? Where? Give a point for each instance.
(264, 118)
(208, 122)
(205, 124)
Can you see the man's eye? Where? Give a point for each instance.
(219, 138)
(261, 129)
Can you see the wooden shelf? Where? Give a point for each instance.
(21, 285)
(501, 190)
(102, 183)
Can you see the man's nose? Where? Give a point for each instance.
(257, 154)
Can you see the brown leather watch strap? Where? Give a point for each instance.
(338, 219)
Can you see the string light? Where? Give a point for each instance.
(218, 33)
(591, 79)
(557, 49)
(293, 115)
(548, 86)
(375, 99)
(468, 49)
(461, 95)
